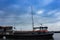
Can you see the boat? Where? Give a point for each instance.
(8, 32)
(41, 33)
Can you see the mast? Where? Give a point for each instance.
(32, 18)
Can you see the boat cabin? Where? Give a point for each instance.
(41, 29)
(6, 29)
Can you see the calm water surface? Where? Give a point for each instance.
(56, 36)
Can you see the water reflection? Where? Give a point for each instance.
(30, 39)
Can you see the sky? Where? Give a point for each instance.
(17, 13)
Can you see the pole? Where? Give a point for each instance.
(32, 18)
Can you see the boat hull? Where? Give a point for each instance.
(29, 35)
(39, 35)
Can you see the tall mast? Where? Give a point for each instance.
(32, 18)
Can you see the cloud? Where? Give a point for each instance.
(52, 12)
(7, 20)
(1, 12)
(55, 22)
(46, 2)
(53, 26)
(40, 12)
(24, 22)
(57, 14)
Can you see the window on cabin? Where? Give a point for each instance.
(44, 28)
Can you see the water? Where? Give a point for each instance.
(56, 36)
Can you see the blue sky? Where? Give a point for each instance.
(18, 13)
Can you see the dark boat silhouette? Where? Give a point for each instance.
(41, 33)
(8, 32)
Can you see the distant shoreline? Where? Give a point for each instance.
(56, 31)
